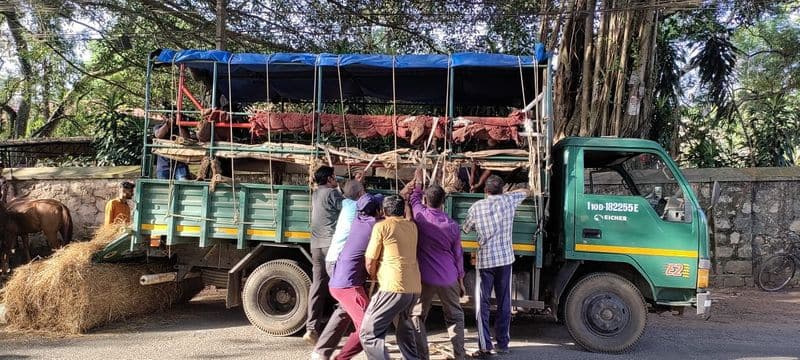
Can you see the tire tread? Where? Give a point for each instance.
(629, 286)
(280, 264)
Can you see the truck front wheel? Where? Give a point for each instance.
(605, 313)
(275, 297)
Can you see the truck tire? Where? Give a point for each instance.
(605, 313)
(275, 297)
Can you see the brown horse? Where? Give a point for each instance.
(48, 216)
(6, 241)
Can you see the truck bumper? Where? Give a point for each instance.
(703, 303)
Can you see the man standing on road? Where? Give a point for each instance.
(326, 202)
(348, 282)
(441, 266)
(117, 210)
(353, 190)
(493, 219)
(392, 256)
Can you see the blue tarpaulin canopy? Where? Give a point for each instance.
(478, 79)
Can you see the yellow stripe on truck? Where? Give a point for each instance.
(516, 247)
(295, 234)
(229, 231)
(626, 250)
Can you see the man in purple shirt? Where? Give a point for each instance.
(347, 282)
(441, 266)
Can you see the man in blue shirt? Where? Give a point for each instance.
(352, 191)
(166, 168)
(347, 284)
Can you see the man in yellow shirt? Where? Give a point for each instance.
(117, 210)
(392, 255)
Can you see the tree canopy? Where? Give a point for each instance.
(716, 82)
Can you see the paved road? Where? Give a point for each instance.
(746, 325)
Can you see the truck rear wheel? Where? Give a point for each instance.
(275, 297)
(605, 313)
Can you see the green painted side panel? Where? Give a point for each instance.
(280, 214)
(525, 219)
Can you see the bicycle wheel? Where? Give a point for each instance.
(776, 272)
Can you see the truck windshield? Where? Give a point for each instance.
(635, 174)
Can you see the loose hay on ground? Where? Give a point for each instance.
(68, 294)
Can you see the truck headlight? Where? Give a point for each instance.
(703, 270)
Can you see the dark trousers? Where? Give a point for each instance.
(382, 310)
(318, 296)
(499, 280)
(449, 296)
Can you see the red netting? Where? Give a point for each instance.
(415, 129)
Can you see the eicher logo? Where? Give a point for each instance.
(614, 207)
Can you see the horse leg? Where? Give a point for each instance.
(25, 247)
(4, 260)
(52, 239)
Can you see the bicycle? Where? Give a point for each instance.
(779, 269)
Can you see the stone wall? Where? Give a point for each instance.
(758, 213)
(84, 191)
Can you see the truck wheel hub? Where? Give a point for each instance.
(277, 298)
(282, 297)
(605, 314)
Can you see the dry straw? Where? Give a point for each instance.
(68, 294)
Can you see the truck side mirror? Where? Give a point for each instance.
(714, 194)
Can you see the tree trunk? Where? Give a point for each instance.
(586, 82)
(639, 89)
(221, 35)
(599, 61)
(46, 88)
(623, 66)
(588, 31)
(566, 82)
(544, 24)
(610, 74)
(17, 31)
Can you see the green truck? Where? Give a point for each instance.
(613, 231)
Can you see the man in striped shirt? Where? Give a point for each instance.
(493, 219)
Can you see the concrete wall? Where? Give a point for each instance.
(758, 213)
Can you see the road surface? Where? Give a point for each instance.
(747, 324)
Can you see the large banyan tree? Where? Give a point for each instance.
(619, 61)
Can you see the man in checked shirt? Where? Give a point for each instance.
(493, 218)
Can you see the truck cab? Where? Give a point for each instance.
(626, 233)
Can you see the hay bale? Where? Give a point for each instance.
(68, 294)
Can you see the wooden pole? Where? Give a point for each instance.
(221, 14)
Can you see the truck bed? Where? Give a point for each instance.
(186, 212)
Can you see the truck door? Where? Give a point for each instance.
(629, 208)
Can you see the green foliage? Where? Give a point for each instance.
(118, 139)
(716, 63)
(726, 77)
(666, 116)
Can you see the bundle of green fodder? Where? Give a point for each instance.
(68, 294)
